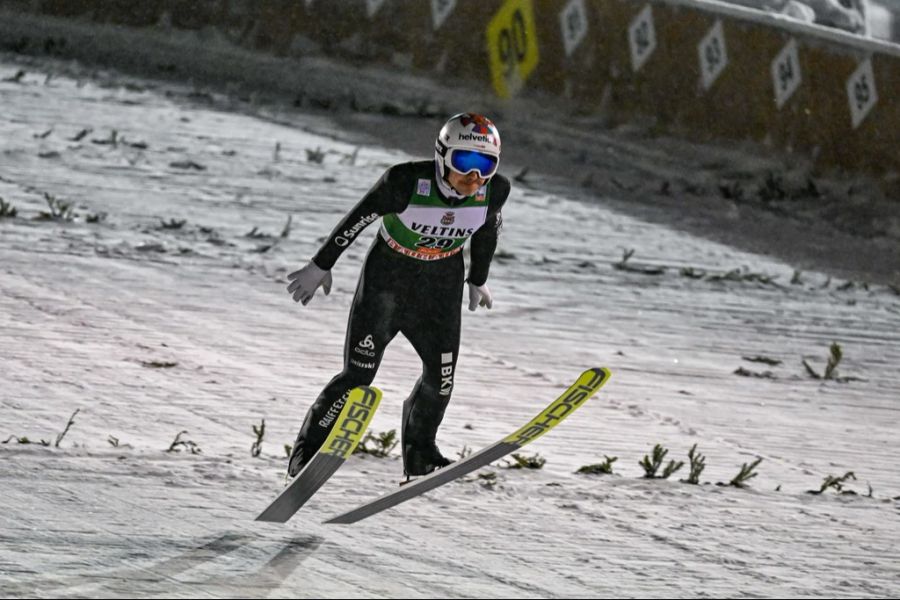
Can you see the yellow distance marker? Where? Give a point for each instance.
(512, 46)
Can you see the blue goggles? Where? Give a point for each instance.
(466, 161)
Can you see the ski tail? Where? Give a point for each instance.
(343, 439)
(586, 386)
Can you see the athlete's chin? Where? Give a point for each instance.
(468, 190)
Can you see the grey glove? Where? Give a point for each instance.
(480, 295)
(307, 280)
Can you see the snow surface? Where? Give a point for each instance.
(149, 331)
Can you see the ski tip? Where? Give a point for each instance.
(595, 377)
(602, 372)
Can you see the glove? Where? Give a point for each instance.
(479, 295)
(307, 280)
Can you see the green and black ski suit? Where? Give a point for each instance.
(411, 283)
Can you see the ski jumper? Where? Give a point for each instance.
(411, 283)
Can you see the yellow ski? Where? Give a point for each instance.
(586, 386)
(345, 435)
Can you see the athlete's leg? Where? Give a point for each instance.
(373, 323)
(434, 333)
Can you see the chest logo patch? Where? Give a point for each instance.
(448, 218)
(424, 187)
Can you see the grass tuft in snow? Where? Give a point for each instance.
(116, 443)
(256, 234)
(25, 440)
(80, 135)
(623, 265)
(43, 442)
(381, 444)
(762, 359)
(316, 156)
(698, 463)
(158, 364)
(71, 422)
(256, 447)
(59, 210)
(177, 443)
(746, 473)
(835, 355)
(743, 274)
(604, 468)
(758, 374)
(172, 223)
(17, 78)
(692, 273)
(525, 462)
(111, 140)
(7, 210)
(488, 480)
(286, 230)
(652, 464)
(350, 159)
(837, 483)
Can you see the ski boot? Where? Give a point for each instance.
(421, 460)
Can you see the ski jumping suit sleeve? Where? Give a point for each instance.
(379, 201)
(411, 283)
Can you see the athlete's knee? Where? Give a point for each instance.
(352, 376)
(355, 375)
(360, 372)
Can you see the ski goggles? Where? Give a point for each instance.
(466, 161)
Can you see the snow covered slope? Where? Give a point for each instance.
(165, 316)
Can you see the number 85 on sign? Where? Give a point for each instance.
(512, 46)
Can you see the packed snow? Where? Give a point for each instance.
(156, 304)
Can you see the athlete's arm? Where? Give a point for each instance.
(385, 197)
(484, 241)
(389, 195)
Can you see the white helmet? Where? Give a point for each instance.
(468, 142)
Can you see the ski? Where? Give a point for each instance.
(345, 435)
(586, 386)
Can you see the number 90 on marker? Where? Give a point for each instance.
(512, 46)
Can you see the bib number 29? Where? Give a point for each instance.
(435, 243)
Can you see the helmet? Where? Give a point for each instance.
(468, 142)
